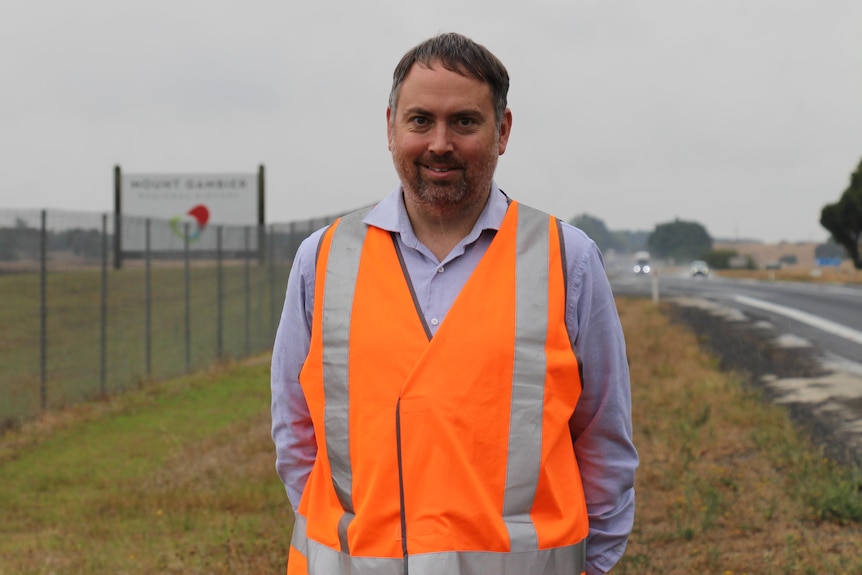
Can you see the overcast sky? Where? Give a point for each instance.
(743, 115)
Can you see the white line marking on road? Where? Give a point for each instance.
(807, 318)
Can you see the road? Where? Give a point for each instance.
(828, 315)
(787, 324)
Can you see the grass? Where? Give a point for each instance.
(726, 484)
(178, 477)
(845, 274)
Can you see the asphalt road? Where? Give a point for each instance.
(827, 315)
(799, 342)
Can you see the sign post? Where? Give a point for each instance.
(118, 211)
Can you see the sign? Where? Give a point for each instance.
(224, 198)
(828, 262)
(183, 211)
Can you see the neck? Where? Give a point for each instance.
(441, 228)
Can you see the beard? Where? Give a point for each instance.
(471, 187)
(441, 193)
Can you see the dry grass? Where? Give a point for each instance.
(725, 484)
(179, 478)
(846, 275)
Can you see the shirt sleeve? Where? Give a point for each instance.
(292, 430)
(601, 425)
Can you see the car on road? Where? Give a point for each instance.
(698, 268)
(641, 263)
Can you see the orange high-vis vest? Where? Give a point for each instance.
(446, 454)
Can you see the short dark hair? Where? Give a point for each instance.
(460, 54)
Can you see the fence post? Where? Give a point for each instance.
(271, 269)
(148, 296)
(103, 324)
(43, 312)
(188, 298)
(247, 290)
(261, 214)
(219, 296)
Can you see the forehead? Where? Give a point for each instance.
(433, 87)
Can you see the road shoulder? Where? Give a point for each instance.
(823, 394)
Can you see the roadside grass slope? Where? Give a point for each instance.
(726, 485)
(179, 477)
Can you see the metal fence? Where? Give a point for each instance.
(78, 322)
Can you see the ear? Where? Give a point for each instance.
(389, 134)
(505, 130)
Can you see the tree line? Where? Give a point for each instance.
(22, 242)
(681, 240)
(678, 240)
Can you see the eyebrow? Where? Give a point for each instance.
(471, 112)
(415, 110)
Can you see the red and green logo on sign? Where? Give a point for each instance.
(196, 218)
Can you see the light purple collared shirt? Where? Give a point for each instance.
(601, 425)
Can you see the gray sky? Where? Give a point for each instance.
(743, 115)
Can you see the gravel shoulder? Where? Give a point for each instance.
(822, 394)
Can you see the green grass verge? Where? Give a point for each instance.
(178, 478)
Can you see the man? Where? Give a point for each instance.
(450, 391)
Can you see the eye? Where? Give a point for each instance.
(465, 122)
(419, 120)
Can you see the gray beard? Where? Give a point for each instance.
(441, 195)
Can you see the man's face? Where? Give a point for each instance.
(444, 138)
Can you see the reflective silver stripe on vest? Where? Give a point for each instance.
(528, 379)
(570, 560)
(322, 560)
(341, 272)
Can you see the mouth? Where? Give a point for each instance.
(440, 170)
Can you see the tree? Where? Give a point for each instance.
(727, 259)
(596, 229)
(87, 243)
(843, 219)
(679, 240)
(7, 245)
(619, 241)
(21, 240)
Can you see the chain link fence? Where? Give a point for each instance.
(81, 321)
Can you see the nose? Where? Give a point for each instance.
(440, 139)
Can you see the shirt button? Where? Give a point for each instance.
(434, 321)
(440, 270)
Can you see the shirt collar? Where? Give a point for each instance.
(391, 215)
